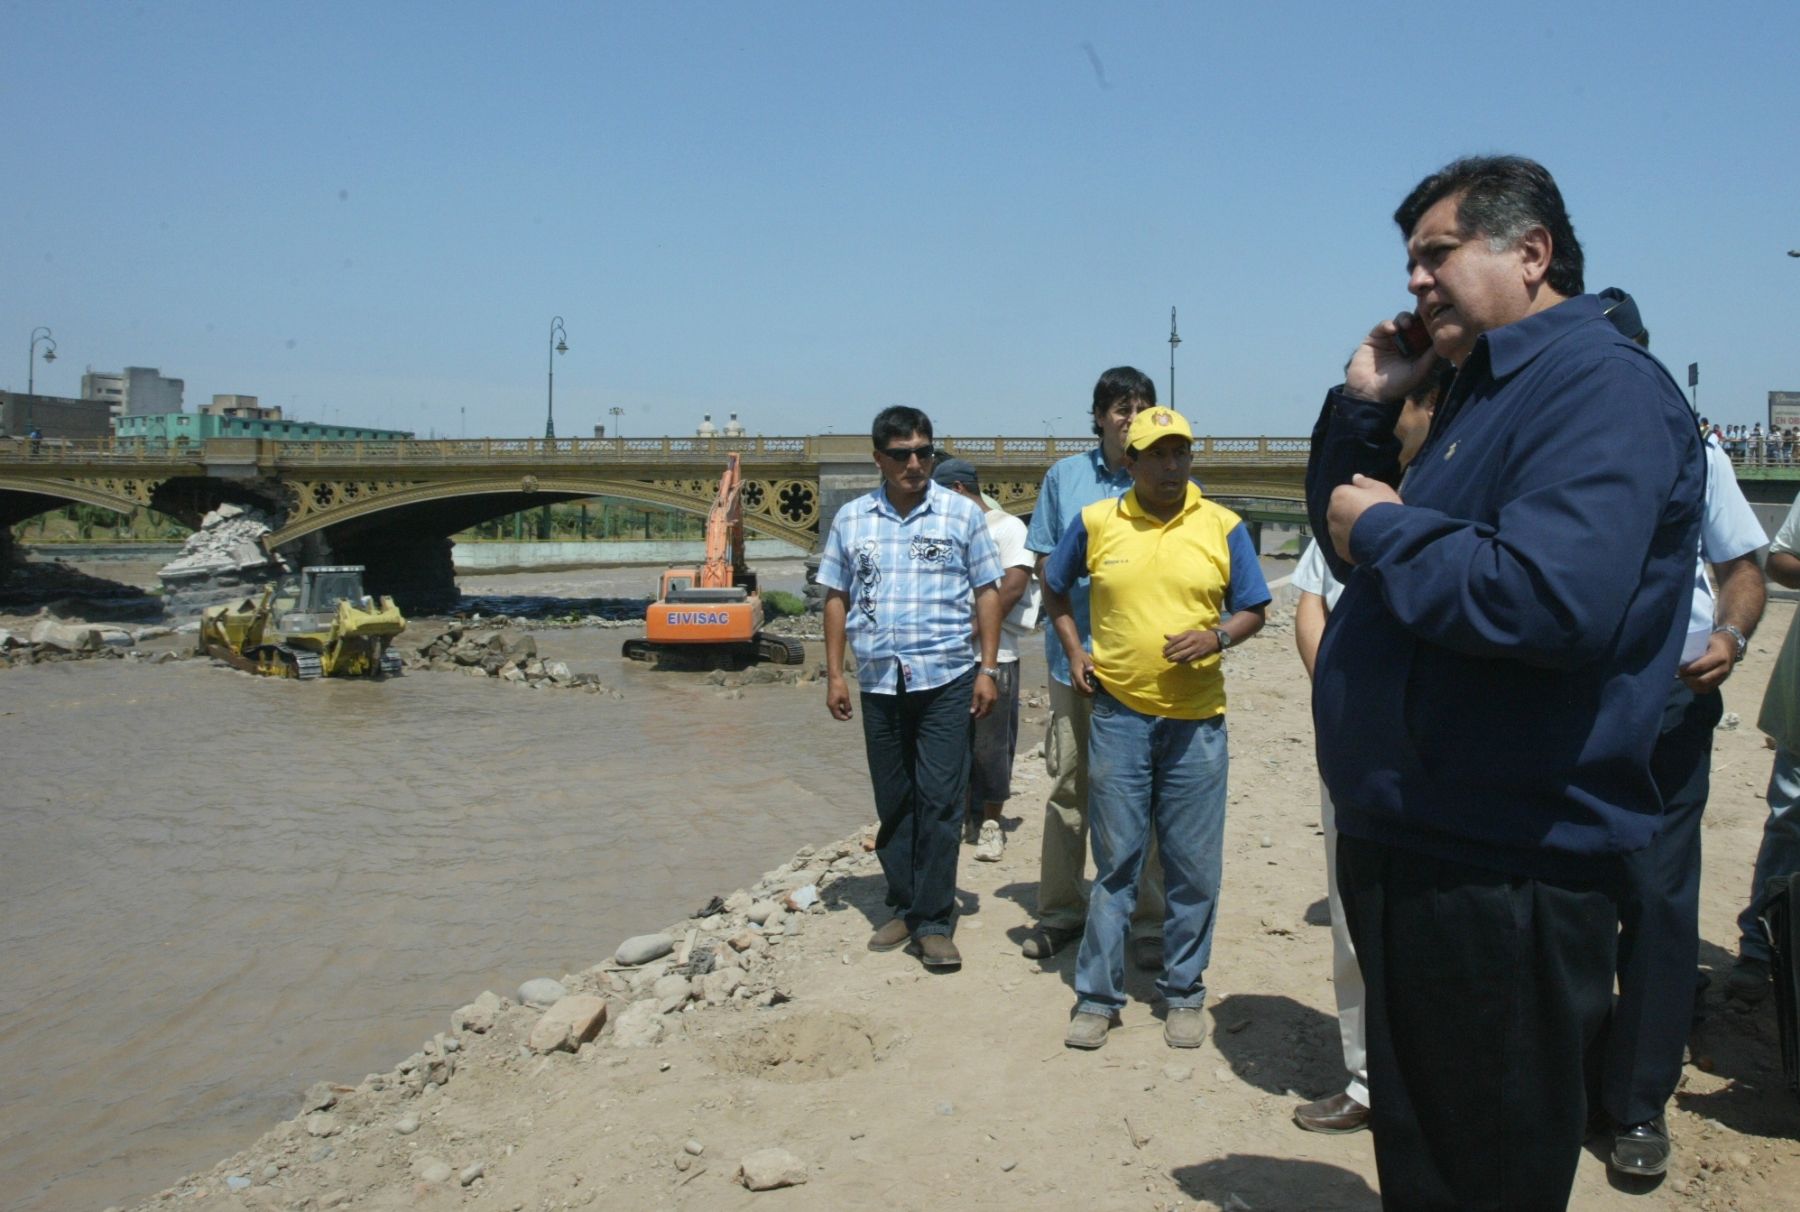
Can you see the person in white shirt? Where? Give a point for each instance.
(997, 733)
(1347, 1110)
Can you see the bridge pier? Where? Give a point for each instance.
(411, 566)
(841, 481)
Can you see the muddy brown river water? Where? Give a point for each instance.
(217, 889)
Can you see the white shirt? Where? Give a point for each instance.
(1314, 576)
(1729, 530)
(1009, 536)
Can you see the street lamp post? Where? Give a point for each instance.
(558, 344)
(39, 335)
(618, 425)
(1174, 340)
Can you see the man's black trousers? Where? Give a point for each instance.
(1485, 994)
(918, 746)
(1659, 920)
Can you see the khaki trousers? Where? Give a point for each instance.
(1062, 900)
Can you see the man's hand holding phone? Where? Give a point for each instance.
(1081, 671)
(1382, 369)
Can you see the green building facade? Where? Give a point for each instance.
(199, 426)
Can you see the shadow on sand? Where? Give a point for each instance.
(1276, 1182)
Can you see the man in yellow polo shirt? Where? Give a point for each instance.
(1175, 580)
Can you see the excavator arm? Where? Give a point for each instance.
(724, 566)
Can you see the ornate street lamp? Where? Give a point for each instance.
(619, 425)
(1174, 340)
(558, 344)
(40, 334)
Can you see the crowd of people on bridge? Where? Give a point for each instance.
(1749, 444)
(1515, 645)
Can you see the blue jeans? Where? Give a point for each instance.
(918, 747)
(1779, 853)
(1151, 772)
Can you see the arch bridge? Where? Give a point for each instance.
(393, 505)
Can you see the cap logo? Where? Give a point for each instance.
(1161, 417)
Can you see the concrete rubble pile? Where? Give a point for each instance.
(498, 655)
(224, 561)
(654, 990)
(54, 640)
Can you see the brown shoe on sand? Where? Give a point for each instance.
(891, 936)
(937, 951)
(1333, 1115)
(1045, 941)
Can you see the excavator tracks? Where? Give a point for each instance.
(767, 647)
(780, 649)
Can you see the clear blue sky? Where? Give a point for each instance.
(805, 212)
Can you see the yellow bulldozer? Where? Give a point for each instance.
(335, 630)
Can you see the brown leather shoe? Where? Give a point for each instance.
(1334, 1115)
(937, 951)
(1045, 941)
(891, 936)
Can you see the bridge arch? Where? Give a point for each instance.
(693, 497)
(24, 497)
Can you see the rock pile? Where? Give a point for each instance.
(221, 562)
(499, 655)
(731, 683)
(726, 959)
(814, 592)
(53, 640)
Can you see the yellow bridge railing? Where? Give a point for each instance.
(272, 454)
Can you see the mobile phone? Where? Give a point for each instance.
(1411, 342)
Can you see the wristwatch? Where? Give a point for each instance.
(1737, 637)
(992, 671)
(1224, 638)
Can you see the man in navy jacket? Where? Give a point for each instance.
(1489, 688)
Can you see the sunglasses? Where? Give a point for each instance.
(901, 454)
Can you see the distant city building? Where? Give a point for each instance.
(707, 429)
(733, 429)
(53, 416)
(244, 407)
(134, 391)
(199, 426)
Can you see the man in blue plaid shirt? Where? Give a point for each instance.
(899, 566)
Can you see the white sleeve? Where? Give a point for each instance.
(1730, 528)
(1009, 537)
(1311, 573)
(1787, 539)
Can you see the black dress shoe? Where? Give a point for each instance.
(1642, 1148)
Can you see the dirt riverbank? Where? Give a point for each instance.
(897, 1088)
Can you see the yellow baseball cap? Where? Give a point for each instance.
(1154, 423)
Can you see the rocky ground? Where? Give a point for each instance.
(757, 1055)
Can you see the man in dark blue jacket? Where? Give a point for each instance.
(1489, 688)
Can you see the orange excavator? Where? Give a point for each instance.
(715, 606)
